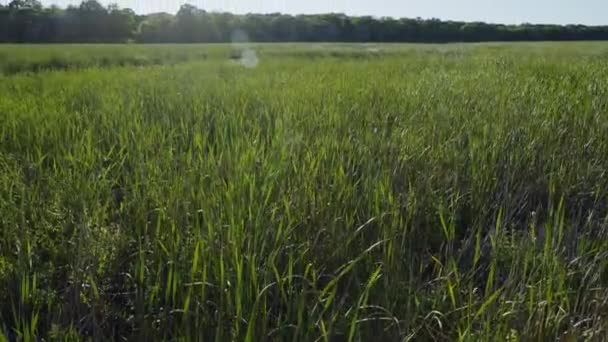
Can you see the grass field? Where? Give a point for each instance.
(322, 193)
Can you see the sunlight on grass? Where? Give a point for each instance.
(412, 192)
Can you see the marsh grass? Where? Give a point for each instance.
(422, 193)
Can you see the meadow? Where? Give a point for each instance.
(323, 192)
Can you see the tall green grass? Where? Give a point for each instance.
(334, 192)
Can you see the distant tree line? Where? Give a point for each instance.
(30, 21)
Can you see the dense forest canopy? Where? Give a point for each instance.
(30, 21)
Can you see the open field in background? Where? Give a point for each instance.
(22, 58)
(323, 193)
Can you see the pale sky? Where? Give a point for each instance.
(589, 12)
